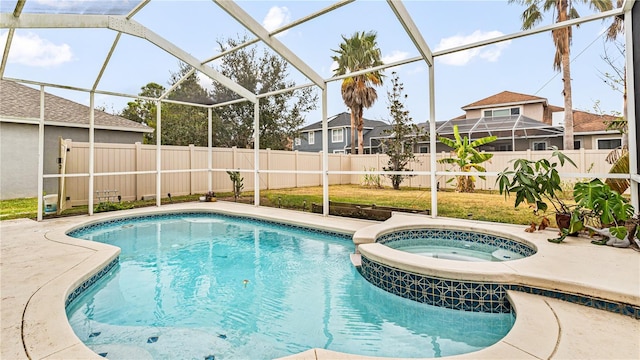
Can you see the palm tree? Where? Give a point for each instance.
(563, 10)
(359, 52)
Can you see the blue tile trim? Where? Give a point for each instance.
(445, 237)
(81, 231)
(470, 296)
(453, 294)
(90, 281)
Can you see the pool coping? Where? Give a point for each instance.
(46, 332)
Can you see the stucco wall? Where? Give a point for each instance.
(534, 111)
(18, 160)
(19, 155)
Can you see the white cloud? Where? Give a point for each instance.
(396, 55)
(417, 70)
(490, 52)
(277, 17)
(333, 67)
(32, 50)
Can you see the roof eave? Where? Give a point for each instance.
(34, 121)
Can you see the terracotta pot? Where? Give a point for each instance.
(563, 220)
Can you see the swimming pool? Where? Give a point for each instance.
(198, 285)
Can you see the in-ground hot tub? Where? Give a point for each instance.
(456, 245)
(480, 286)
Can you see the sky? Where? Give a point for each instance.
(74, 57)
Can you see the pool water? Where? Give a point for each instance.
(210, 286)
(457, 251)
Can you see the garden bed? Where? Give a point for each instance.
(363, 211)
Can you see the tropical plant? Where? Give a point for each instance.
(619, 158)
(563, 10)
(537, 183)
(371, 179)
(209, 196)
(604, 206)
(403, 134)
(466, 157)
(359, 52)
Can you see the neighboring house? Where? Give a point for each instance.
(339, 127)
(522, 122)
(19, 118)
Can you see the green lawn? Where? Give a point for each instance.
(487, 206)
(18, 208)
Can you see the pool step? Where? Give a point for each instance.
(356, 260)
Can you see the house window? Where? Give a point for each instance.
(423, 150)
(311, 137)
(504, 147)
(502, 112)
(337, 135)
(577, 144)
(297, 141)
(539, 145)
(338, 151)
(609, 143)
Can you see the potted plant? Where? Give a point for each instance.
(210, 196)
(538, 184)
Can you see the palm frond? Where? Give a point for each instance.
(620, 166)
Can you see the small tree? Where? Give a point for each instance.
(238, 183)
(466, 157)
(404, 134)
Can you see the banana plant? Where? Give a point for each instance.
(466, 157)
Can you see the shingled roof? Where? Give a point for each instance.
(18, 101)
(504, 98)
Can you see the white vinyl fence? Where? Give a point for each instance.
(181, 161)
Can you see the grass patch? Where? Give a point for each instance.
(18, 208)
(481, 205)
(28, 207)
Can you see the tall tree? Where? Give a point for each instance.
(185, 124)
(181, 124)
(143, 110)
(359, 52)
(404, 134)
(563, 10)
(281, 115)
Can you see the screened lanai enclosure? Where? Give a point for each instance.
(129, 38)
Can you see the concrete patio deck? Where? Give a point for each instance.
(39, 266)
